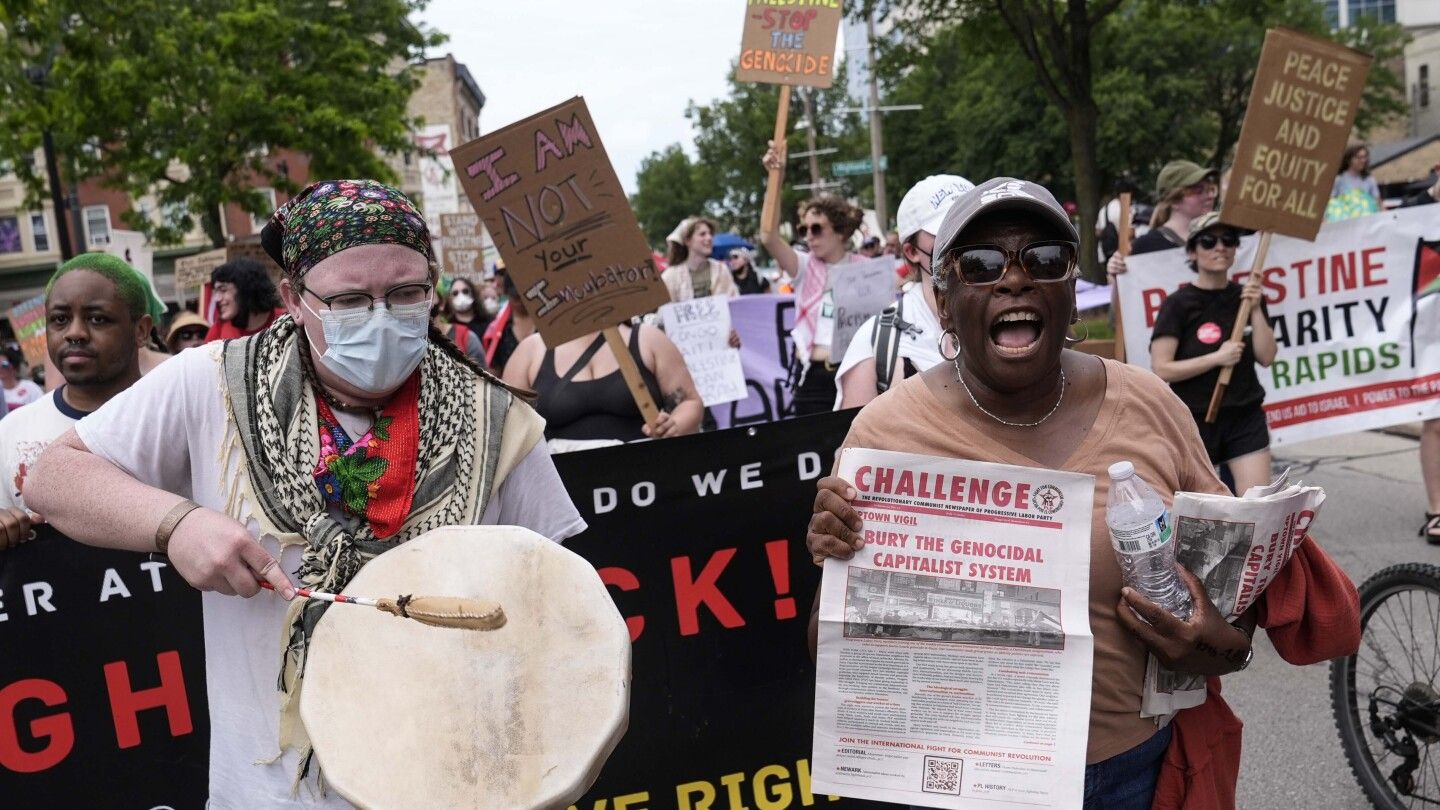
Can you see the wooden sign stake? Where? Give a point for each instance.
(631, 371)
(1238, 332)
(1124, 250)
(770, 212)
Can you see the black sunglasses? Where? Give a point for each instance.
(813, 229)
(1208, 241)
(1045, 262)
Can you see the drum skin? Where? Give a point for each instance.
(406, 715)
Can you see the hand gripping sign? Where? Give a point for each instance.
(551, 201)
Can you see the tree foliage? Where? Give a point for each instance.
(1167, 80)
(188, 99)
(726, 180)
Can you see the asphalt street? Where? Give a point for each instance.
(1374, 505)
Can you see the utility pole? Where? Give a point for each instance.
(807, 96)
(877, 145)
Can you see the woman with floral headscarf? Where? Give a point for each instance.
(342, 430)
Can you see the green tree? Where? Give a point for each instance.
(1166, 80)
(187, 99)
(727, 181)
(667, 190)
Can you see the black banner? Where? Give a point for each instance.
(102, 679)
(702, 542)
(700, 539)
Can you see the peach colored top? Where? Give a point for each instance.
(1140, 420)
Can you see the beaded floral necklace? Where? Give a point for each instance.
(372, 477)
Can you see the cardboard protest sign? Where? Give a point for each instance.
(1302, 107)
(789, 43)
(1356, 315)
(193, 272)
(551, 201)
(464, 247)
(860, 290)
(701, 330)
(27, 320)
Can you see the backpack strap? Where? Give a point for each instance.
(886, 344)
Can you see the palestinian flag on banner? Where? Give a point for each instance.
(1427, 283)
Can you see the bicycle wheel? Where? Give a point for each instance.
(1384, 697)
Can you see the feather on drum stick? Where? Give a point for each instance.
(437, 611)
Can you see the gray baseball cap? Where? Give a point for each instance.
(1000, 194)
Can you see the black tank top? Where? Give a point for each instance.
(601, 408)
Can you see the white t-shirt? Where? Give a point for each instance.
(24, 393)
(27, 432)
(166, 431)
(920, 345)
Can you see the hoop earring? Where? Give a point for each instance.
(955, 340)
(1073, 340)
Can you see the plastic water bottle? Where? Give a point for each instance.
(1143, 539)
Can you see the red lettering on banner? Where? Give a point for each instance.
(126, 703)
(55, 728)
(1351, 401)
(1154, 299)
(625, 581)
(1369, 263)
(692, 592)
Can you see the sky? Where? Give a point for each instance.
(638, 64)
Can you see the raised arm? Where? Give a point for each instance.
(775, 245)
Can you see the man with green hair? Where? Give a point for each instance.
(97, 316)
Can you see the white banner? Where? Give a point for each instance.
(1356, 316)
(438, 191)
(700, 328)
(955, 654)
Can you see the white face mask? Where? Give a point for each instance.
(462, 302)
(490, 305)
(374, 350)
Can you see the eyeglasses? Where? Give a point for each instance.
(399, 296)
(734, 256)
(1229, 239)
(190, 334)
(1201, 189)
(813, 229)
(982, 265)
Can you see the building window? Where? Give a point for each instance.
(1381, 10)
(9, 234)
(97, 225)
(257, 221)
(1424, 85)
(38, 233)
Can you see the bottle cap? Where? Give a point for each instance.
(1121, 470)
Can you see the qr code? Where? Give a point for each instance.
(942, 776)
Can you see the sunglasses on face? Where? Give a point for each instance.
(813, 229)
(1229, 239)
(1200, 189)
(1045, 262)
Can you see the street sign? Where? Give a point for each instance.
(851, 168)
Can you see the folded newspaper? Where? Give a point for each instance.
(1236, 546)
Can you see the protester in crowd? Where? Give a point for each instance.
(907, 334)
(18, 390)
(1430, 472)
(1013, 394)
(748, 280)
(1354, 174)
(1191, 344)
(188, 329)
(690, 272)
(96, 320)
(871, 248)
(826, 223)
(347, 423)
(513, 325)
(246, 300)
(590, 400)
(892, 245)
(1185, 191)
(454, 315)
(473, 308)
